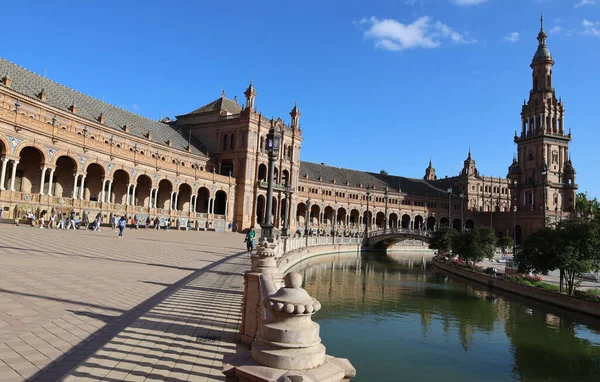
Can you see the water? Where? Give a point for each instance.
(397, 321)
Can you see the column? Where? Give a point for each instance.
(42, 180)
(226, 207)
(75, 176)
(103, 194)
(13, 174)
(3, 173)
(171, 201)
(133, 195)
(50, 182)
(211, 205)
(195, 203)
(191, 205)
(128, 194)
(176, 200)
(150, 197)
(156, 198)
(82, 189)
(109, 192)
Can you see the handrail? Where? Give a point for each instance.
(402, 231)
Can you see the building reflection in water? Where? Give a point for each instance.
(377, 305)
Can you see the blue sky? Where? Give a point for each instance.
(380, 84)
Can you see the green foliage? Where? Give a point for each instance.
(442, 239)
(475, 245)
(504, 243)
(383, 172)
(572, 247)
(584, 204)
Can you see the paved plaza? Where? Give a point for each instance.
(85, 305)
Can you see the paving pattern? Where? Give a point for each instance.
(86, 306)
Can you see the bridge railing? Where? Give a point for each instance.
(290, 244)
(402, 231)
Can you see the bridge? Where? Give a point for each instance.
(383, 239)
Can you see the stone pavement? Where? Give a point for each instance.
(87, 306)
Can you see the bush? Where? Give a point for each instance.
(592, 294)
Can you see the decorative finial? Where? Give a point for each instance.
(542, 22)
(430, 161)
(223, 93)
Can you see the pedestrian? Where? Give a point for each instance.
(42, 219)
(122, 222)
(147, 222)
(229, 227)
(71, 221)
(156, 223)
(114, 222)
(250, 240)
(235, 228)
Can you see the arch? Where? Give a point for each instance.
(72, 156)
(431, 223)
(260, 209)
(469, 224)
(282, 211)
(163, 195)
(393, 220)
(368, 218)
(25, 144)
(301, 213)
(276, 175)
(518, 235)
(315, 211)
(93, 182)
(456, 225)
(183, 197)
(379, 219)
(341, 216)
(274, 205)
(89, 163)
(121, 180)
(328, 215)
(63, 182)
(444, 222)
(262, 172)
(419, 222)
(405, 221)
(143, 184)
(29, 170)
(220, 206)
(285, 177)
(202, 197)
(4, 145)
(354, 216)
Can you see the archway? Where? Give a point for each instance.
(183, 197)
(260, 209)
(419, 222)
(282, 211)
(29, 170)
(274, 205)
(285, 177)
(405, 221)
(444, 222)
(328, 215)
(393, 220)
(202, 200)
(142, 191)
(220, 203)
(354, 216)
(341, 217)
(276, 175)
(63, 177)
(518, 235)
(456, 224)
(431, 223)
(119, 187)
(368, 218)
(301, 213)
(379, 219)
(163, 195)
(93, 182)
(315, 210)
(262, 172)
(469, 224)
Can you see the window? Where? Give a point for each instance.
(225, 143)
(232, 145)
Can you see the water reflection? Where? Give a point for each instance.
(396, 320)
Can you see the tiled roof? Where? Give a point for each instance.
(222, 103)
(411, 186)
(31, 84)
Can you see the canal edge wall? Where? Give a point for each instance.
(542, 295)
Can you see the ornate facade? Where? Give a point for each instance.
(63, 150)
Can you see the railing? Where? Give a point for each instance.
(276, 186)
(401, 231)
(290, 244)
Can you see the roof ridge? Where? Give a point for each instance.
(74, 90)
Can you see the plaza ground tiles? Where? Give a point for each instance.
(83, 305)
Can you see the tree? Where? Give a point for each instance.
(573, 248)
(476, 245)
(383, 172)
(442, 239)
(504, 243)
(584, 204)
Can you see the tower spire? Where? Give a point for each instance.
(542, 22)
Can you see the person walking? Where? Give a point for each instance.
(250, 240)
(147, 222)
(71, 221)
(122, 222)
(114, 223)
(156, 223)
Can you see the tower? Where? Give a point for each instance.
(541, 176)
(430, 172)
(469, 168)
(250, 94)
(295, 114)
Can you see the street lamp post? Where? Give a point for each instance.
(284, 230)
(462, 220)
(544, 172)
(273, 139)
(385, 220)
(449, 206)
(307, 217)
(368, 213)
(514, 228)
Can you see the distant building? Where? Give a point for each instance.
(62, 150)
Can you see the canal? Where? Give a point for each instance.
(397, 320)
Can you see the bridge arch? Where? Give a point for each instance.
(382, 241)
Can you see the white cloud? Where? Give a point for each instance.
(422, 33)
(591, 28)
(467, 3)
(512, 37)
(555, 30)
(584, 2)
